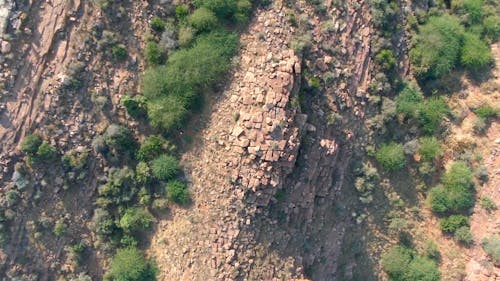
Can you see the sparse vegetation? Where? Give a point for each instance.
(491, 246)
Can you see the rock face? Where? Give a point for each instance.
(252, 154)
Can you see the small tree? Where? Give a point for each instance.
(422, 269)
(46, 152)
(391, 156)
(153, 54)
(30, 144)
(164, 167)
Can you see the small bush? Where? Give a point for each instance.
(386, 60)
(463, 235)
(152, 147)
(142, 173)
(46, 152)
(164, 167)
(475, 53)
(391, 156)
(409, 101)
(486, 111)
(430, 148)
(177, 191)
(421, 268)
(395, 262)
(153, 54)
(60, 227)
(202, 19)
(455, 195)
(224, 9)
(30, 144)
(403, 264)
(487, 203)
(136, 220)
(119, 138)
(491, 246)
(186, 36)
(431, 250)
(491, 27)
(158, 24)
(130, 265)
(136, 106)
(453, 222)
(119, 52)
(432, 113)
(181, 12)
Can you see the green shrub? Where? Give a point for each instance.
(153, 54)
(181, 12)
(136, 106)
(385, 59)
(167, 113)
(430, 148)
(452, 223)
(120, 187)
(391, 156)
(158, 24)
(186, 36)
(119, 52)
(487, 203)
(431, 250)
(475, 53)
(136, 220)
(119, 138)
(165, 167)
(129, 264)
(437, 47)
(491, 27)
(474, 10)
(177, 191)
(30, 144)
(152, 147)
(46, 152)
(422, 269)
(171, 89)
(203, 19)
(491, 246)
(455, 195)
(486, 111)
(432, 113)
(459, 175)
(60, 227)
(409, 101)
(463, 235)
(224, 9)
(403, 264)
(396, 261)
(142, 173)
